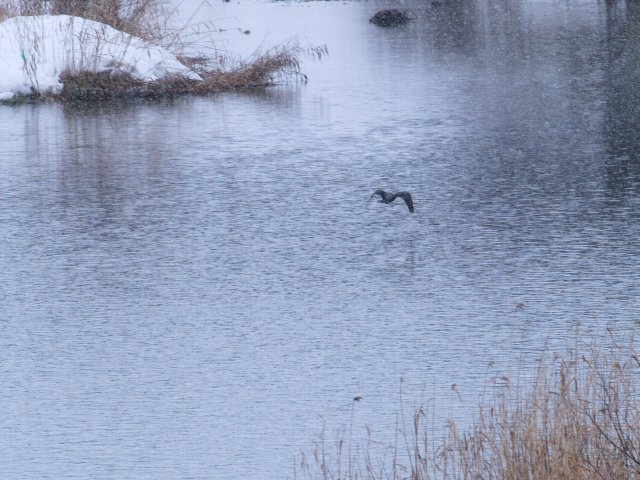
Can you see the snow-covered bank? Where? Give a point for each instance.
(36, 51)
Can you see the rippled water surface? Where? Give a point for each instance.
(188, 285)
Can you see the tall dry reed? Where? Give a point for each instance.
(262, 69)
(150, 20)
(577, 419)
(146, 19)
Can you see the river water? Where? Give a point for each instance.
(193, 288)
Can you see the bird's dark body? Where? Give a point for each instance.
(388, 197)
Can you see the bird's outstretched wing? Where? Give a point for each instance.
(377, 192)
(406, 196)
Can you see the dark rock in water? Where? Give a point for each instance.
(389, 18)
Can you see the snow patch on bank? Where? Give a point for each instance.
(36, 50)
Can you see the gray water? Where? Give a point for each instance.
(193, 288)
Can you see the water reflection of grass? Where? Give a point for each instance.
(578, 418)
(149, 20)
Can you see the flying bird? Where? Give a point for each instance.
(386, 197)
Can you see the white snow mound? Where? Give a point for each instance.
(35, 51)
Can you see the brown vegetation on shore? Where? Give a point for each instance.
(578, 419)
(146, 19)
(261, 71)
(149, 20)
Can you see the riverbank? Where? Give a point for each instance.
(577, 417)
(69, 51)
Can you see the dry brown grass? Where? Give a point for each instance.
(263, 70)
(578, 419)
(146, 19)
(149, 20)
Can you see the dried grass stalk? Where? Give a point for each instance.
(146, 19)
(149, 20)
(578, 419)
